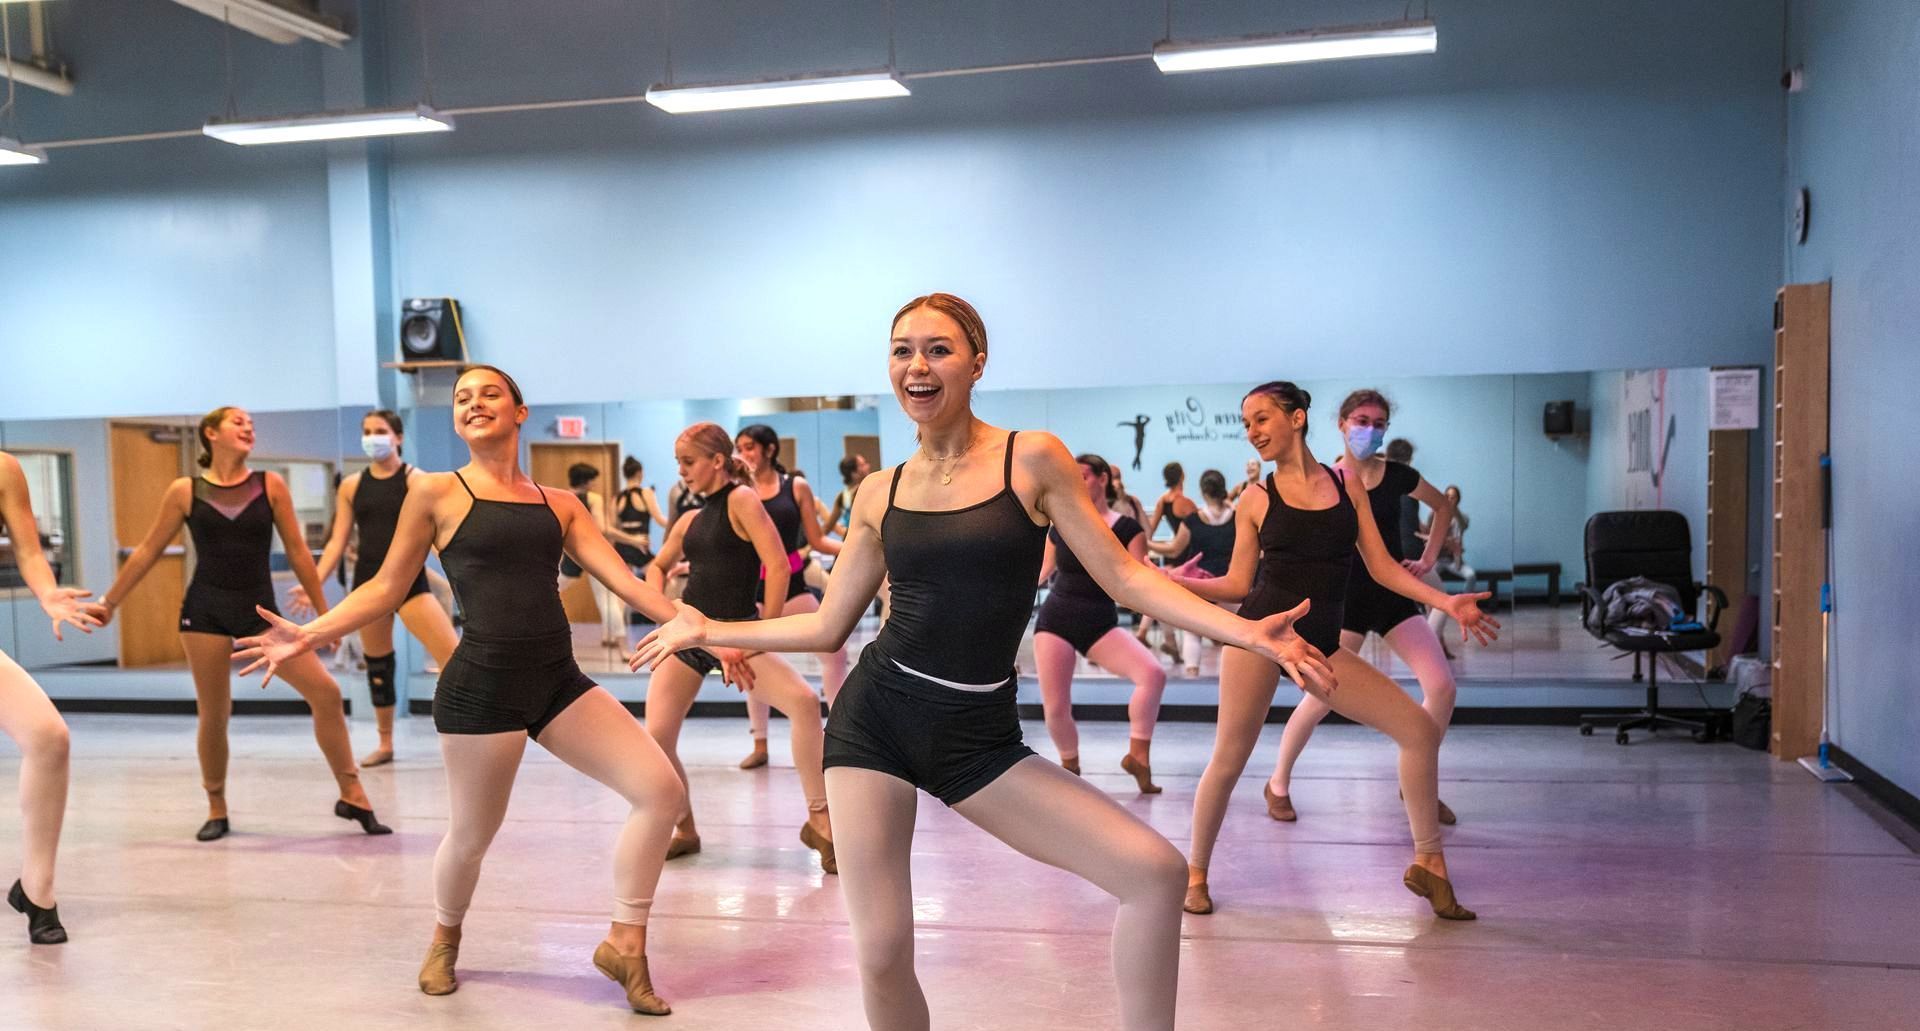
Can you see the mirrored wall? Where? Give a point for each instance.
(1530, 457)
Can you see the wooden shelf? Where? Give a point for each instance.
(413, 367)
(1799, 542)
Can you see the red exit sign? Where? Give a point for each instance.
(570, 427)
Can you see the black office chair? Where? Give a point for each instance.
(1658, 546)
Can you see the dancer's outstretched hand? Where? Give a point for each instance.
(733, 667)
(1190, 569)
(1303, 664)
(299, 604)
(282, 641)
(1475, 623)
(69, 605)
(687, 629)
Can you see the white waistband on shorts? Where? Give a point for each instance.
(956, 685)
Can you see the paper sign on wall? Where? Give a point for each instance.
(1736, 399)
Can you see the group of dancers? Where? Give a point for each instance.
(961, 533)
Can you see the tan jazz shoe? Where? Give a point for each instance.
(1279, 807)
(1071, 765)
(1446, 815)
(1142, 775)
(680, 846)
(1438, 891)
(630, 973)
(436, 974)
(822, 844)
(756, 758)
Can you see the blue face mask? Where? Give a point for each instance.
(1363, 441)
(377, 446)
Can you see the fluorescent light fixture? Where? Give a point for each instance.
(337, 125)
(1384, 40)
(278, 21)
(819, 89)
(13, 152)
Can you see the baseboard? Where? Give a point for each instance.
(1896, 798)
(1542, 716)
(186, 706)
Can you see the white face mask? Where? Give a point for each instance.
(378, 446)
(1363, 441)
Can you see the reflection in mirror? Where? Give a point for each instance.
(97, 487)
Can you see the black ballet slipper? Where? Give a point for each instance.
(43, 925)
(213, 830)
(363, 817)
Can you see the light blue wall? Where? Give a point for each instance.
(168, 276)
(1855, 142)
(1561, 188)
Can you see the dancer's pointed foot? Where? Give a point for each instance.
(213, 830)
(1279, 807)
(756, 758)
(1142, 774)
(682, 846)
(436, 974)
(822, 844)
(379, 756)
(630, 973)
(1438, 891)
(1071, 764)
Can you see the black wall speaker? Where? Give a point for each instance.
(430, 330)
(1556, 420)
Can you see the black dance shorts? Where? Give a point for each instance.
(1080, 622)
(362, 573)
(702, 661)
(945, 741)
(1372, 609)
(215, 610)
(502, 684)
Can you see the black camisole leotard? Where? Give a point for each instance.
(376, 511)
(514, 668)
(1305, 555)
(1077, 610)
(963, 586)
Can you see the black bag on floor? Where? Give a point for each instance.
(1753, 722)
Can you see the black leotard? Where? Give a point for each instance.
(724, 568)
(1372, 608)
(1077, 610)
(1212, 541)
(513, 669)
(376, 511)
(963, 586)
(1304, 555)
(724, 573)
(232, 531)
(784, 509)
(633, 517)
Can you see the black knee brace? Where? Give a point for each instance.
(380, 670)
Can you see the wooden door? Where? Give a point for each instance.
(1727, 531)
(550, 464)
(146, 458)
(861, 444)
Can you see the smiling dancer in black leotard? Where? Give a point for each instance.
(1079, 617)
(960, 527)
(370, 501)
(728, 542)
(231, 513)
(1302, 549)
(513, 677)
(1372, 608)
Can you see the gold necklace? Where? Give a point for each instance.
(946, 474)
